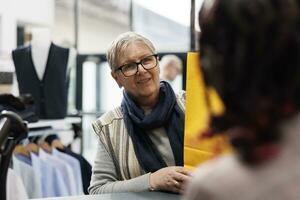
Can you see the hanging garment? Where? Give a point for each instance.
(24, 159)
(30, 178)
(50, 93)
(86, 168)
(75, 168)
(51, 179)
(15, 189)
(65, 169)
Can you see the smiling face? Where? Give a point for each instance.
(145, 83)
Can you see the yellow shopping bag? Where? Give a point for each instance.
(196, 148)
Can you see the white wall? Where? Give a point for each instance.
(29, 12)
(98, 26)
(37, 12)
(23, 12)
(96, 35)
(8, 33)
(63, 31)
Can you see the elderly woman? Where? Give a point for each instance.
(141, 142)
(250, 52)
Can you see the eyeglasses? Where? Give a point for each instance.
(131, 69)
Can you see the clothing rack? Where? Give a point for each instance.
(12, 130)
(53, 126)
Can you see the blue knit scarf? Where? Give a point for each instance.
(166, 113)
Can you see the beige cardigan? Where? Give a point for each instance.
(114, 138)
(112, 132)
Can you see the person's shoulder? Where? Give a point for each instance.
(208, 177)
(215, 167)
(219, 178)
(210, 173)
(107, 119)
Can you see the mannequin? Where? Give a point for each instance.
(43, 69)
(40, 45)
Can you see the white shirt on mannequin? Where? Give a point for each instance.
(40, 46)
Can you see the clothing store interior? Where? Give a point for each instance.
(107, 99)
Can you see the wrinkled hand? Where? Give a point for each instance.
(171, 179)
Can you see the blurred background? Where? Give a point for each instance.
(89, 26)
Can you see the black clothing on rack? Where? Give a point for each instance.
(23, 106)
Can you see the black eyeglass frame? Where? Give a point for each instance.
(120, 68)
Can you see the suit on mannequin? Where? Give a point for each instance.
(42, 69)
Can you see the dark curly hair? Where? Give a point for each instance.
(250, 53)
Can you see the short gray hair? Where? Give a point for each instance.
(170, 58)
(117, 46)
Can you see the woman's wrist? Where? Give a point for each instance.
(151, 186)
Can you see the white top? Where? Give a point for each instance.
(64, 168)
(40, 46)
(15, 189)
(30, 178)
(75, 165)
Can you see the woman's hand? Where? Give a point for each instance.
(171, 179)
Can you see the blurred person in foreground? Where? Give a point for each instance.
(250, 52)
(141, 142)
